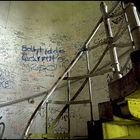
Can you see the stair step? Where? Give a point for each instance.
(121, 128)
(134, 103)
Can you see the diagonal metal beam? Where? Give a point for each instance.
(78, 91)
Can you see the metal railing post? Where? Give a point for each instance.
(89, 85)
(68, 89)
(134, 23)
(128, 26)
(112, 50)
(46, 117)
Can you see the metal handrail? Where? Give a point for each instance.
(79, 90)
(33, 116)
(88, 75)
(128, 26)
(61, 78)
(84, 83)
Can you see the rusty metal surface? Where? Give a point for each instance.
(122, 87)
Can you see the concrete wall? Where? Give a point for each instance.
(37, 42)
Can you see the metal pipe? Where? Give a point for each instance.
(68, 89)
(128, 26)
(93, 33)
(46, 117)
(89, 85)
(134, 23)
(79, 90)
(89, 75)
(109, 34)
(69, 102)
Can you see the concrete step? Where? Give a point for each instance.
(134, 103)
(120, 127)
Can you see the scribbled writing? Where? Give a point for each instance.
(43, 59)
(30, 53)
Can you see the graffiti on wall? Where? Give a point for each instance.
(30, 53)
(46, 59)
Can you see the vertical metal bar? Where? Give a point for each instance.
(112, 50)
(134, 23)
(89, 85)
(68, 89)
(128, 26)
(46, 117)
